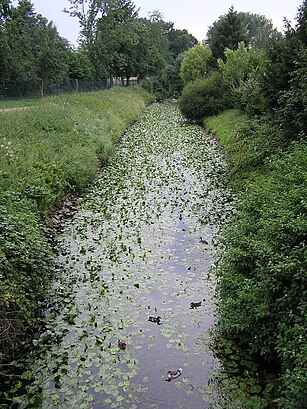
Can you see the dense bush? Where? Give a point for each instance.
(25, 269)
(45, 153)
(262, 277)
(293, 102)
(204, 97)
(249, 97)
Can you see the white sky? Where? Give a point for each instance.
(193, 15)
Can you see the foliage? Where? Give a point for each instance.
(301, 27)
(263, 264)
(262, 273)
(119, 43)
(168, 83)
(237, 66)
(226, 32)
(281, 55)
(45, 153)
(242, 71)
(247, 141)
(116, 37)
(25, 269)
(258, 29)
(204, 97)
(32, 51)
(293, 102)
(180, 41)
(80, 66)
(195, 63)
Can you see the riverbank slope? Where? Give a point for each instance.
(47, 153)
(262, 275)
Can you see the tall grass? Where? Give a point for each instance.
(45, 153)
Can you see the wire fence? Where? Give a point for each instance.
(15, 90)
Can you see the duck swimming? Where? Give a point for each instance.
(195, 305)
(201, 240)
(157, 319)
(121, 344)
(173, 374)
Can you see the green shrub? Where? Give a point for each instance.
(249, 97)
(25, 268)
(155, 87)
(204, 97)
(293, 102)
(262, 276)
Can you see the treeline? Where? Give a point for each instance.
(114, 42)
(257, 71)
(262, 271)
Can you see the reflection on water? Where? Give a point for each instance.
(140, 245)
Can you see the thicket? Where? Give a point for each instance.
(262, 272)
(46, 153)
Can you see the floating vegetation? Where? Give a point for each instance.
(133, 251)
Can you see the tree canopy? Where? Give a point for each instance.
(195, 63)
(226, 32)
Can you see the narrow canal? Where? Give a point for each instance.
(140, 245)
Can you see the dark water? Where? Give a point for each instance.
(139, 245)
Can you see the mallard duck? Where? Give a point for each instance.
(173, 374)
(195, 305)
(157, 319)
(121, 344)
(201, 240)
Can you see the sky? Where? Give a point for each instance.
(193, 15)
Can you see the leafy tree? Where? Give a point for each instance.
(79, 66)
(196, 63)
(4, 10)
(258, 29)
(282, 55)
(51, 54)
(155, 53)
(32, 50)
(4, 48)
(302, 23)
(117, 33)
(293, 102)
(226, 32)
(242, 72)
(19, 29)
(87, 12)
(236, 66)
(180, 41)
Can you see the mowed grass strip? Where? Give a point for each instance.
(18, 103)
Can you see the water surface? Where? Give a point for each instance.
(139, 245)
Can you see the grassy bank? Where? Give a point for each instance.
(46, 153)
(263, 270)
